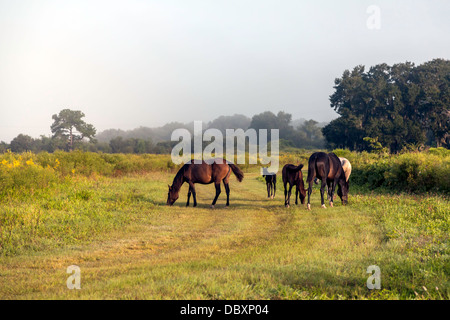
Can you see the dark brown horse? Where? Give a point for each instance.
(327, 168)
(213, 171)
(271, 183)
(293, 175)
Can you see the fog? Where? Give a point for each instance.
(127, 64)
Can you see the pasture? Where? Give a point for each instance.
(110, 218)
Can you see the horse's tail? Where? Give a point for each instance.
(237, 172)
(311, 168)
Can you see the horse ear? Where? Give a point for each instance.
(170, 188)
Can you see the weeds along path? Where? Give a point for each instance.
(254, 249)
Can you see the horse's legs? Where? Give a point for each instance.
(194, 195)
(289, 195)
(309, 194)
(296, 195)
(268, 189)
(329, 187)
(328, 191)
(217, 194)
(333, 187)
(227, 190)
(285, 194)
(322, 190)
(274, 188)
(189, 196)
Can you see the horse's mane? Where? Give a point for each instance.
(178, 180)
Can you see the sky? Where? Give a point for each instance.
(134, 63)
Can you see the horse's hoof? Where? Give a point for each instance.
(271, 197)
(323, 206)
(309, 206)
(331, 204)
(287, 206)
(211, 206)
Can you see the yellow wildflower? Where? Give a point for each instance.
(16, 163)
(30, 162)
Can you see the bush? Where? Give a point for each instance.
(29, 171)
(20, 172)
(410, 172)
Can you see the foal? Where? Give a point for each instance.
(271, 183)
(293, 175)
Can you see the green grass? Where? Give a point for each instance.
(129, 245)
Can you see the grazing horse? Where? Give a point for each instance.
(271, 183)
(327, 168)
(213, 171)
(347, 166)
(293, 175)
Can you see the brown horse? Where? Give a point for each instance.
(271, 183)
(347, 167)
(327, 168)
(293, 175)
(213, 171)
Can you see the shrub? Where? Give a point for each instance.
(411, 172)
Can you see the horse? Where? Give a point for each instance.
(213, 171)
(271, 183)
(347, 166)
(327, 168)
(293, 175)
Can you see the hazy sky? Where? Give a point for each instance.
(127, 64)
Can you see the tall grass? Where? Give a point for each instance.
(30, 171)
(108, 214)
(416, 172)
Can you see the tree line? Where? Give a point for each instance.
(391, 107)
(70, 131)
(386, 108)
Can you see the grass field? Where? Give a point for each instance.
(130, 245)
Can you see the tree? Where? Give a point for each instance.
(235, 121)
(4, 147)
(22, 143)
(396, 105)
(68, 124)
(434, 98)
(268, 120)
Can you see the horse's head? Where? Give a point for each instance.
(343, 189)
(172, 196)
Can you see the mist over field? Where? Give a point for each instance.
(149, 63)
